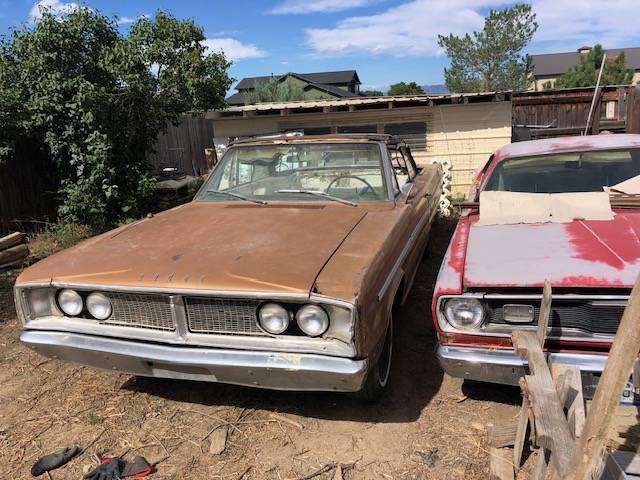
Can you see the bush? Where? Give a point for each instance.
(95, 101)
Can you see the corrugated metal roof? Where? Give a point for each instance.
(359, 101)
(558, 63)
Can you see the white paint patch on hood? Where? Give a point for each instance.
(509, 208)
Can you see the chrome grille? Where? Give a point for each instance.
(588, 314)
(142, 311)
(222, 316)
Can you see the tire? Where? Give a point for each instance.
(379, 373)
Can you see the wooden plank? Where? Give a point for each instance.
(500, 467)
(11, 240)
(502, 434)
(573, 400)
(542, 462)
(521, 433)
(552, 430)
(589, 452)
(545, 312)
(13, 254)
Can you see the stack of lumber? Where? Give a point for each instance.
(13, 250)
(569, 445)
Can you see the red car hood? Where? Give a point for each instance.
(577, 254)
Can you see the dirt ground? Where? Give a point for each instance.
(428, 425)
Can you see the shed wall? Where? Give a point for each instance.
(465, 134)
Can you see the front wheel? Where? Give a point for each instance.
(378, 376)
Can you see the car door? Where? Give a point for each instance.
(421, 195)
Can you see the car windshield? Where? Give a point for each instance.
(350, 172)
(565, 172)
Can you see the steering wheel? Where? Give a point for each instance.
(360, 179)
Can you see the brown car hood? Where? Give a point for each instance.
(228, 246)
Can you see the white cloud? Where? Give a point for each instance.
(413, 27)
(233, 49)
(298, 7)
(127, 20)
(566, 25)
(55, 6)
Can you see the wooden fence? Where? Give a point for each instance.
(27, 189)
(182, 147)
(554, 113)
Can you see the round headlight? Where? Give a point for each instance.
(70, 302)
(312, 320)
(273, 318)
(464, 313)
(99, 306)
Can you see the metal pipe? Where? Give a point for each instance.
(595, 95)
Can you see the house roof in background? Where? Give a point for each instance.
(337, 91)
(558, 63)
(343, 76)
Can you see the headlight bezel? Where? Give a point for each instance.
(474, 305)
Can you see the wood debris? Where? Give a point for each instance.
(13, 250)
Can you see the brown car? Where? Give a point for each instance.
(281, 273)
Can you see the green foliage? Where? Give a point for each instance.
(95, 100)
(585, 74)
(491, 60)
(372, 93)
(403, 88)
(275, 90)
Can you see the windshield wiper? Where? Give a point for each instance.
(237, 195)
(319, 193)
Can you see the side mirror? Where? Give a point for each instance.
(408, 191)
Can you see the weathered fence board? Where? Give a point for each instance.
(27, 189)
(182, 146)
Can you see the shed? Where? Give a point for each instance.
(463, 129)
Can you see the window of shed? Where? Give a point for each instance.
(413, 133)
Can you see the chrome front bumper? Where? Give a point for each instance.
(505, 367)
(273, 370)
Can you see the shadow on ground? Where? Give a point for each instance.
(416, 375)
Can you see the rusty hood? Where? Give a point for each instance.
(598, 253)
(227, 246)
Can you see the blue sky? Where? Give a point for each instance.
(386, 41)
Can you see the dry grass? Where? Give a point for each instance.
(428, 426)
(56, 237)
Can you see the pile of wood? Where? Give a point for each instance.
(568, 444)
(13, 250)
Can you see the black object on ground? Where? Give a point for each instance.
(112, 470)
(54, 460)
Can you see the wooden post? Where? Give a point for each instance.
(589, 452)
(545, 312)
(633, 111)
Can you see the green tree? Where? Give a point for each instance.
(585, 74)
(275, 90)
(95, 100)
(372, 93)
(403, 88)
(491, 60)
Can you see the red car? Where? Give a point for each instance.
(492, 276)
